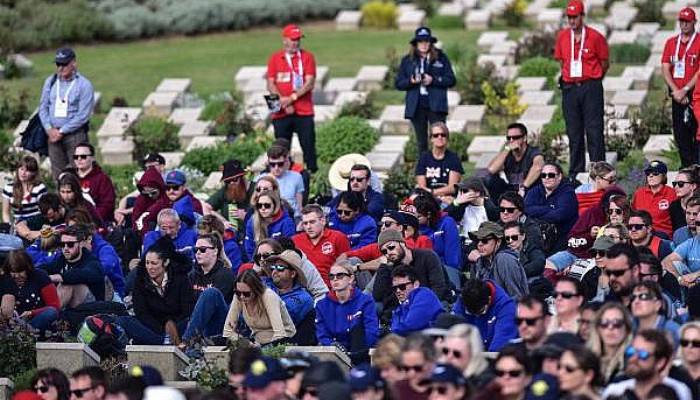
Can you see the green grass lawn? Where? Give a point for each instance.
(132, 70)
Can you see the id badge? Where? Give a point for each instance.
(298, 82)
(61, 109)
(679, 70)
(576, 70)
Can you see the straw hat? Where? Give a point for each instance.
(339, 172)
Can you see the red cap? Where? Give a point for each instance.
(292, 32)
(687, 14)
(574, 8)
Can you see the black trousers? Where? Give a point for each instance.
(421, 119)
(684, 133)
(582, 105)
(305, 128)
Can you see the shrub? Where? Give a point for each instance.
(394, 62)
(650, 11)
(399, 182)
(470, 78)
(540, 66)
(245, 148)
(122, 177)
(514, 13)
(650, 119)
(379, 14)
(319, 185)
(550, 138)
(506, 105)
(154, 134)
(17, 350)
(342, 136)
(426, 5)
(630, 171)
(446, 22)
(366, 110)
(536, 44)
(13, 108)
(459, 143)
(629, 53)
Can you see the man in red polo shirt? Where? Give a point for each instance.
(583, 54)
(291, 74)
(321, 245)
(679, 64)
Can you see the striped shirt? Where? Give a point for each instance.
(30, 203)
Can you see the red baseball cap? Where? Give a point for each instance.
(292, 31)
(574, 8)
(687, 14)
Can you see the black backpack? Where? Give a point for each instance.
(104, 335)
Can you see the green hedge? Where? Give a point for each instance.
(153, 135)
(540, 66)
(342, 136)
(629, 53)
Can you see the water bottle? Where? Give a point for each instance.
(166, 340)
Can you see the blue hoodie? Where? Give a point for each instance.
(497, 326)
(41, 258)
(185, 209)
(374, 203)
(559, 208)
(86, 271)
(446, 241)
(110, 261)
(298, 301)
(184, 242)
(361, 231)
(281, 226)
(335, 320)
(416, 314)
(232, 250)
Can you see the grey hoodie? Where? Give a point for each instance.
(504, 269)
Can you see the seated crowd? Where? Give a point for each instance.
(576, 289)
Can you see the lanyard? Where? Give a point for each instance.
(687, 47)
(423, 61)
(580, 50)
(58, 90)
(291, 66)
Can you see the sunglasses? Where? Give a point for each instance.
(515, 373)
(80, 392)
(278, 164)
(611, 324)
(679, 184)
(260, 189)
(642, 297)
(548, 175)
(612, 179)
(310, 391)
(202, 249)
(690, 343)
(485, 240)
(338, 276)
(438, 135)
(151, 193)
(455, 353)
(565, 295)
(400, 287)
(357, 178)
(265, 206)
(599, 253)
(512, 238)
(632, 351)
(278, 267)
(512, 138)
(615, 272)
(41, 389)
(617, 211)
(263, 256)
(636, 227)
(347, 213)
(243, 293)
(415, 368)
(388, 224)
(68, 244)
(85, 157)
(651, 173)
(527, 321)
(388, 248)
(508, 210)
(59, 65)
(568, 368)
(441, 390)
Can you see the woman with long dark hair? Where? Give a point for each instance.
(350, 217)
(71, 194)
(51, 384)
(22, 195)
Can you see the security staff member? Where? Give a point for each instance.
(67, 100)
(291, 74)
(679, 64)
(583, 54)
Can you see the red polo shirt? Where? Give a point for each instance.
(692, 63)
(372, 252)
(279, 70)
(657, 204)
(324, 253)
(595, 51)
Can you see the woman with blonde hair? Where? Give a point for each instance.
(463, 348)
(22, 195)
(269, 220)
(262, 309)
(387, 358)
(610, 336)
(602, 176)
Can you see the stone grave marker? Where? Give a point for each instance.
(371, 77)
(348, 20)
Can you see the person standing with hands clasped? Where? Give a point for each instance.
(291, 74)
(583, 54)
(425, 74)
(679, 64)
(66, 103)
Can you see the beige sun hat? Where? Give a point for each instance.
(339, 173)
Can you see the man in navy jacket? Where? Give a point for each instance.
(418, 306)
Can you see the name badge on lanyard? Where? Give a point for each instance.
(60, 109)
(576, 66)
(679, 63)
(423, 89)
(297, 77)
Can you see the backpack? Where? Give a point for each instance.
(104, 335)
(34, 137)
(549, 236)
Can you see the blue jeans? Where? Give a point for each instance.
(44, 319)
(562, 259)
(208, 316)
(139, 333)
(453, 275)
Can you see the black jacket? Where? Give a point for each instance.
(219, 277)
(154, 310)
(86, 271)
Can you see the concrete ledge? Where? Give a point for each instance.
(6, 388)
(168, 359)
(217, 355)
(67, 357)
(325, 353)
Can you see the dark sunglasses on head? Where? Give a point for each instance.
(679, 184)
(388, 224)
(388, 248)
(512, 238)
(690, 343)
(508, 210)
(339, 275)
(612, 211)
(415, 368)
(642, 297)
(636, 227)
(173, 187)
(512, 138)
(615, 272)
(438, 135)
(512, 373)
(80, 392)
(400, 286)
(243, 293)
(278, 164)
(69, 244)
(202, 249)
(565, 295)
(81, 156)
(263, 256)
(632, 351)
(265, 206)
(613, 323)
(612, 179)
(347, 213)
(455, 353)
(278, 267)
(548, 175)
(527, 321)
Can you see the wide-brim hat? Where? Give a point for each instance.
(487, 229)
(339, 173)
(291, 258)
(423, 34)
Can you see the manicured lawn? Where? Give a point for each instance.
(132, 70)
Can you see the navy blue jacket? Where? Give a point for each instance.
(335, 320)
(497, 325)
(559, 208)
(283, 225)
(360, 232)
(86, 271)
(374, 203)
(416, 314)
(443, 78)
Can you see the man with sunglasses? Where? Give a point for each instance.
(360, 182)
(67, 100)
(89, 383)
(519, 161)
(532, 319)
(94, 181)
(511, 207)
(291, 182)
(656, 197)
(531, 257)
(176, 189)
(647, 359)
(439, 169)
(418, 306)
(641, 234)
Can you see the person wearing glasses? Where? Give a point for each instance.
(690, 350)
(532, 318)
(67, 100)
(94, 181)
(656, 197)
(648, 308)
(291, 183)
(602, 175)
(463, 348)
(568, 299)
(314, 282)
(647, 358)
(520, 161)
(212, 224)
(418, 306)
(176, 189)
(263, 311)
(269, 220)
(360, 181)
(151, 199)
(346, 316)
(213, 287)
(447, 383)
(89, 383)
(170, 225)
(642, 234)
(51, 384)
(553, 201)
(690, 213)
(440, 169)
(511, 207)
(610, 336)
(513, 370)
(685, 185)
(418, 358)
(230, 203)
(530, 256)
(350, 217)
(264, 250)
(579, 372)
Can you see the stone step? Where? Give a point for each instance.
(168, 359)
(641, 76)
(67, 357)
(393, 122)
(537, 98)
(192, 129)
(633, 98)
(177, 85)
(183, 115)
(526, 84)
(472, 114)
(485, 145)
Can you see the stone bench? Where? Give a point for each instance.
(177, 85)
(477, 20)
(351, 97)
(633, 98)
(614, 84)
(325, 353)
(622, 37)
(160, 104)
(472, 114)
(371, 77)
(408, 21)
(537, 98)
(489, 39)
(641, 76)
(656, 145)
(453, 9)
(528, 84)
(118, 151)
(496, 60)
(393, 122)
(645, 30)
(249, 72)
(193, 129)
(67, 357)
(481, 145)
(348, 20)
(168, 359)
(6, 388)
(181, 116)
(204, 141)
(172, 158)
(549, 18)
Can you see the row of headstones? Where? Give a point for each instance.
(408, 18)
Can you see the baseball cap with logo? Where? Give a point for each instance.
(292, 31)
(264, 371)
(175, 177)
(656, 166)
(574, 8)
(687, 14)
(64, 55)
